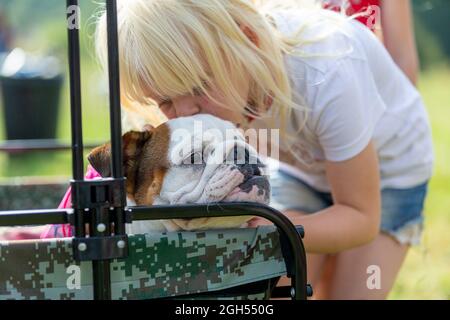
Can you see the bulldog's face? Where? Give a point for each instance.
(197, 159)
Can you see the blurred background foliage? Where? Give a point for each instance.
(432, 24)
(39, 26)
(41, 29)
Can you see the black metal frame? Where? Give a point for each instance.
(22, 146)
(101, 204)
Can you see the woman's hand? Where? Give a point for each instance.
(292, 215)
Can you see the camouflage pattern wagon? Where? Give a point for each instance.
(161, 265)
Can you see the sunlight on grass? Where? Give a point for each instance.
(426, 272)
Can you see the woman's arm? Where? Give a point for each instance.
(354, 219)
(398, 35)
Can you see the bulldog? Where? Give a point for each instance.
(199, 159)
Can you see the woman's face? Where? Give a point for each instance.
(188, 105)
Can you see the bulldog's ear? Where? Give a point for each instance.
(132, 144)
(100, 160)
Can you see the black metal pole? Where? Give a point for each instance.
(34, 217)
(114, 104)
(101, 268)
(114, 89)
(101, 271)
(103, 216)
(73, 25)
(22, 146)
(75, 89)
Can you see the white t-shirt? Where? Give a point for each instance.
(355, 93)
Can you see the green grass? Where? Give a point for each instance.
(426, 272)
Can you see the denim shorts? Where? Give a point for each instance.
(401, 209)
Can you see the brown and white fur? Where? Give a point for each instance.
(173, 164)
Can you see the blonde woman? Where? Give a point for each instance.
(355, 138)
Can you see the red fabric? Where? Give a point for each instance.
(358, 6)
(361, 6)
(63, 231)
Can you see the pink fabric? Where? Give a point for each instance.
(21, 233)
(62, 231)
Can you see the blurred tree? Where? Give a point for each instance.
(432, 22)
(39, 25)
(5, 33)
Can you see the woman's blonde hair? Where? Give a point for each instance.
(178, 47)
